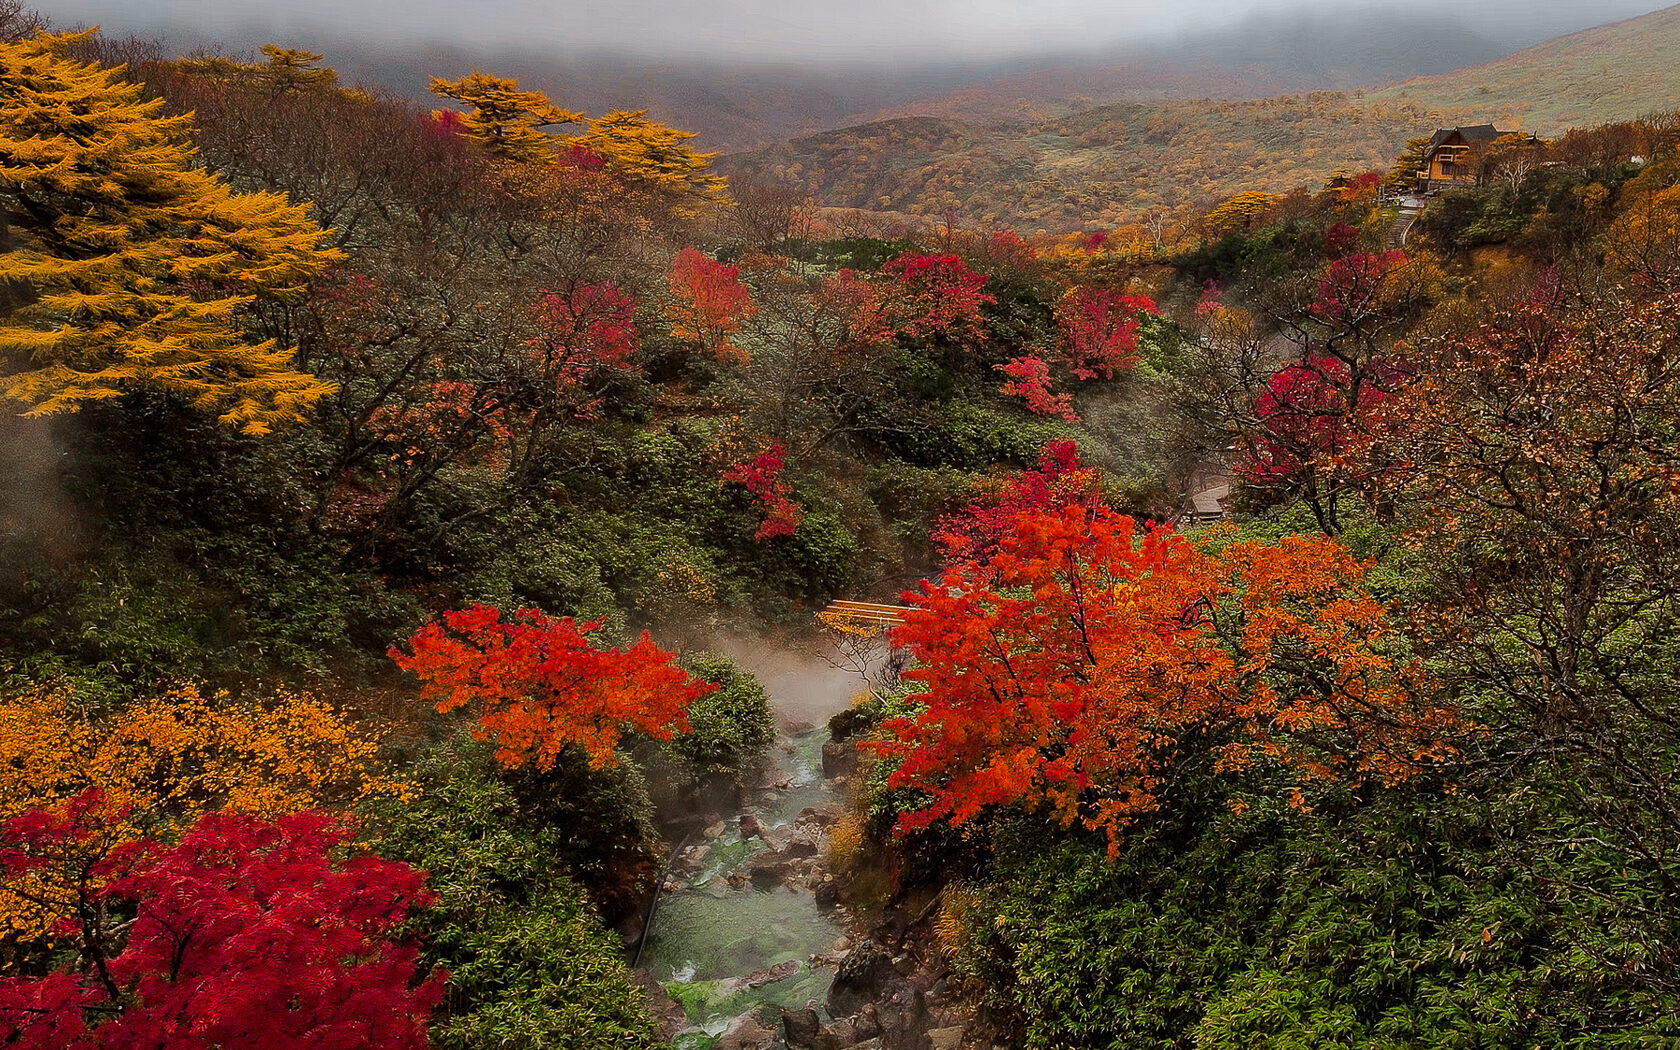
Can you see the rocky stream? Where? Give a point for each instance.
(751, 945)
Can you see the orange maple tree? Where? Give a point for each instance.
(541, 686)
(708, 303)
(1088, 657)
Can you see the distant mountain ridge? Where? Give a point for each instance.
(1263, 56)
(1099, 165)
(735, 106)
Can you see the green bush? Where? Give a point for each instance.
(729, 728)
(530, 965)
(1401, 922)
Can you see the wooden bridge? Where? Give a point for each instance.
(862, 617)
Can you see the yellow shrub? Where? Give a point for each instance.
(161, 761)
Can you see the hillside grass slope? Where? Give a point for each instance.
(1613, 72)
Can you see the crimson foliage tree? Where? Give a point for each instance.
(244, 935)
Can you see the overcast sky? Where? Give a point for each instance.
(782, 30)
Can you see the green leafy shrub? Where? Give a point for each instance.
(729, 728)
(1401, 922)
(530, 965)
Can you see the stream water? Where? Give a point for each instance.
(727, 947)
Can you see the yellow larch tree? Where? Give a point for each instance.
(125, 266)
(286, 69)
(651, 153)
(1240, 212)
(503, 119)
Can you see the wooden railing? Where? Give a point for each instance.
(862, 616)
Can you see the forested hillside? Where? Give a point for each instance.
(1102, 166)
(385, 480)
(1028, 162)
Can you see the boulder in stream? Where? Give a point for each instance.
(801, 1029)
(778, 972)
(667, 1013)
(839, 758)
(862, 977)
(746, 1033)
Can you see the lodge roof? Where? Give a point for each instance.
(1472, 133)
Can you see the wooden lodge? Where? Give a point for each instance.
(1456, 156)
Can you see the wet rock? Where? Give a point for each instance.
(839, 1036)
(714, 829)
(692, 859)
(827, 895)
(901, 1016)
(866, 1025)
(945, 1038)
(797, 728)
(778, 972)
(737, 879)
(767, 868)
(823, 817)
(746, 1033)
(839, 758)
(667, 1012)
(801, 1029)
(803, 843)
(750, 827)
(862, 978)
(891, 927)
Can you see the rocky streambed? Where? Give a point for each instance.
(751, 948)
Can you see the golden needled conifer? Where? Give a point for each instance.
(505, 120)
(122, 265)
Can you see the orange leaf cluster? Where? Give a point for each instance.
(708, 304)
(541, 686)
(1088, 658)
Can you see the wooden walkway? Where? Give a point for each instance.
(856, 616)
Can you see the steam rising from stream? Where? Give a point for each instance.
(808, 681)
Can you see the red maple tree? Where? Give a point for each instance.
(1088, 657)
(245, 935)
(541, 685)
(1029, 380)
(933, 298)
(1099, 330)
(708, 303)
(762, 476)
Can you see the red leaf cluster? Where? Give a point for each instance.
(1029, 380)
(1306, 413)
(762, 476)
(590, 330)
(1353, 283)
(1099, 330)
(248, 935)
(540, 685)
(933, 298)
(1058, 481)
(1088, 657)
(708, 303)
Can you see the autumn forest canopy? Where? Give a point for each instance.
(1287, 581)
